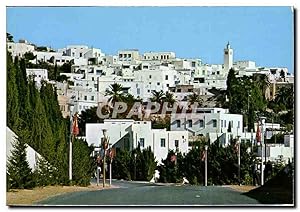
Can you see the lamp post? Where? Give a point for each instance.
(239, 159)
(104, 145)
(135, 166)
(110, 166)
(262, 122)
(206, 147)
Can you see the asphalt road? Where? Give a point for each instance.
(144, 193)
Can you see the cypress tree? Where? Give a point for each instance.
(12, 106)
(18, 170)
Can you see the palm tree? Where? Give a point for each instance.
(194, 98)
(157, 96)
(115, 92)
(263, 82)
(169, 98)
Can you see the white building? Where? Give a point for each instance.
(156, 78)
(276, 152)
(128, 55)
(38, 75)
(20, 48)
(164, 56)
(212, 123)
(129, 134)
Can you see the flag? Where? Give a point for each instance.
(203, 155)
(173, 158)
(258, 134)
(236, 147)
(112, 153)
(75, 128)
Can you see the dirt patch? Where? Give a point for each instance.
(242, 188)
(26, 197)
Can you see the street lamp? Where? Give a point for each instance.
(135, 154)
(104, 146)
(110, 166)
(262, 123)
(206, 147)
(239, 159)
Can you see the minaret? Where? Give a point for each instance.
(228, 57)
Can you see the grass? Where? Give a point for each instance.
(27, 197)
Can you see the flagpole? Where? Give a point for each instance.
(206, 147)
(70, 149)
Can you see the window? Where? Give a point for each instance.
(142, 142)
(218, 72)
(150, 76)
(166, 77)
(176, 143)
(129, 55)
(221, 123)
(190, 123)
(193, 64)
(214, 123)
(224, 123)
(80, 54)
(226, 52)
(238, 124)
(163, 142)
(148, 91)
(201, 121)
(92, 78)
(179, 90)
(203, 72)
(92, 98)
(190, 90)
(178, 123)
(168, 85)
(9, 47)
(85, 97)
(158, 83)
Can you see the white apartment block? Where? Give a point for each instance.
(276, 152)
(163, 56)
(37, 75)
(209, 122)
(128, 55)
(156, 78)
(20, 48)
(129, 134)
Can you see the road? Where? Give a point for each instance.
(143, 193)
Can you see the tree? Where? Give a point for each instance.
(12, 106)
(157, 96)
(169, 98)
(194, 98)
(82, 162)
(18, 171)
(29, 56)
(44, 174)
(9, 37)
(115, 93)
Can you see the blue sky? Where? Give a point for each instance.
(260, 34)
